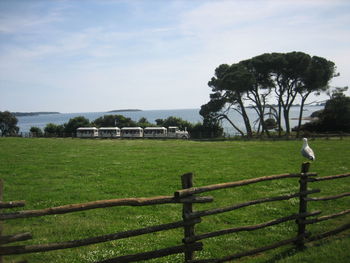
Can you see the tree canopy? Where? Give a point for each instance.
(8, 124)
(52, 129)
(257, 81)
(74, 123)
(36, 131)
(335, 117)
(174, 121)
(114, 121)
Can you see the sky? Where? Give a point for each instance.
(101, 55)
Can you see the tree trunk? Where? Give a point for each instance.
(301, 113)
(262, 121)
(279, 118)
(286, 120)
(246, 120)
(300, 117)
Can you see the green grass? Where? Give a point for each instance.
(53, 172)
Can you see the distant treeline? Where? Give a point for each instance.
(198, 130)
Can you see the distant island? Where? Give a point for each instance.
(19, 114)
(124, 110)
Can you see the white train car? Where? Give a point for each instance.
(155, 132)
(175, 132)
(109, 132)
(132, 132)
(87, 132)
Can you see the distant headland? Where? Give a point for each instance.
(19, 114)
(124, 110)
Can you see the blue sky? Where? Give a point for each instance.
(99, 55)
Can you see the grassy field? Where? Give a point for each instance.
(53, 172)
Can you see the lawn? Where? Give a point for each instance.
(52, 172)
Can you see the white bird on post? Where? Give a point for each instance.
(306, 151)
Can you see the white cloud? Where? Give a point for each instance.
(236, 30)
(25, 19)
(159, 65)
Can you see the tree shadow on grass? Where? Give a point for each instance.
(289, 252)
(285, 254)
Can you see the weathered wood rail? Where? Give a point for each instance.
(190, 218)
(103, 204)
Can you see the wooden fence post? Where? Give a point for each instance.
(187, 182)
(302, 205)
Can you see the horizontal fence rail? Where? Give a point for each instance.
(327, 198)
(15, 238)
(247, 253)
(324, 178)
(103, 204)
(252, 227)
(198, 190)
(329, 233)
(10, 250)
(187, 197)
(215, 211)
(323, 218)
(155, 254)
(12, 204)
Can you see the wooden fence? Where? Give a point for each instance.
(187, 197)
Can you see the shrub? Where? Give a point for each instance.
(36, 132)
